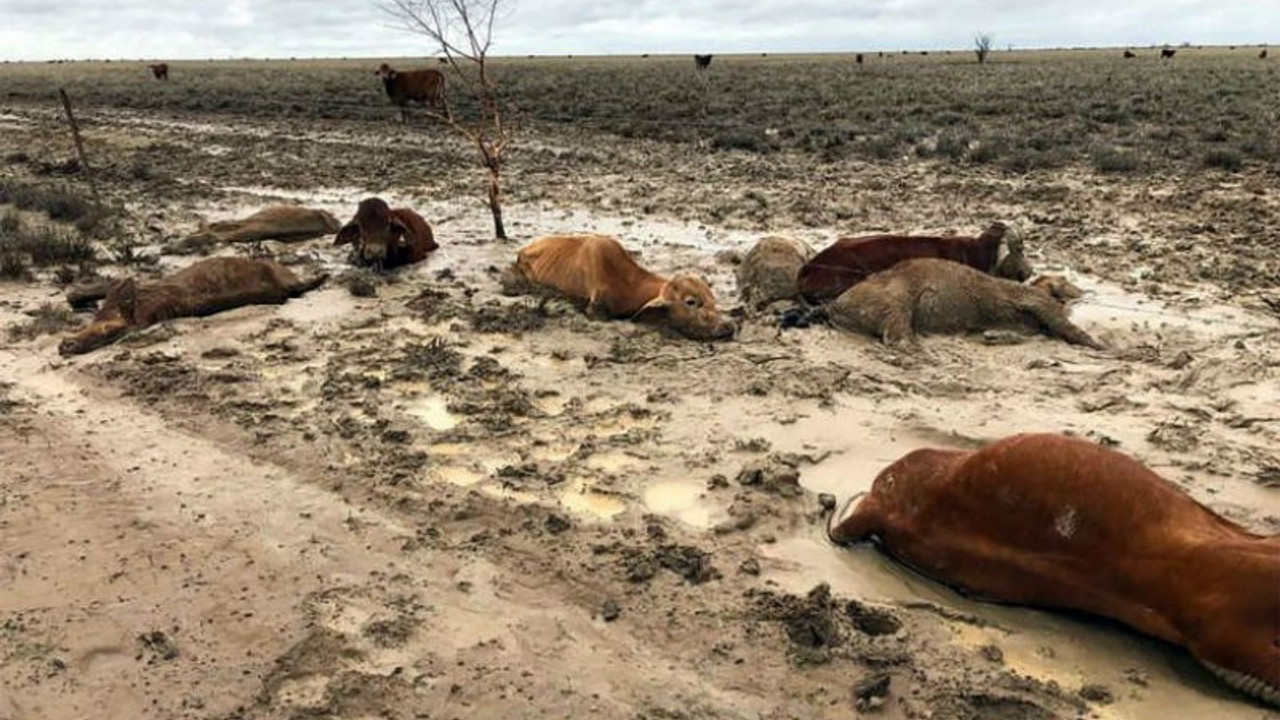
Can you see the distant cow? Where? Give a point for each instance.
(160, 71)
(1129, 54)
(278, 222)
(1167, 53)
(1263, 54)
(597, 270)
(769, 270)
(702, 62)
(1058, 522)
(858, 58)
(386, 238)
(929, 295)
(206, 287)
(998, 251)
(421, 86)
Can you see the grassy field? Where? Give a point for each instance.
(1212, 107)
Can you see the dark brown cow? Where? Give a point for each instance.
(858, 58)
(848, 261)
(702, 62)
(421, 86)
(1167, 53)
(160, 71)
(1059, 522)
(596, 269)
(1263, 54)
(386, 238)
(206, 287)
(929, 295)
(1129, 54)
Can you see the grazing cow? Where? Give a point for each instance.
(160, 71)
(206, 287)
(768, 272)
(929, 295)
(1262, 55)
(1129, 54)
(702, 62)
(386, 238)
(278, 222)
(1167, 53)
(420, 86)
(596, 269)
(998, 251)
(1060, 522)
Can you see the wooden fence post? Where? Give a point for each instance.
(84, 161)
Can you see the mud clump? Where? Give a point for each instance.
(777, 474)
(871, 621)
(513, 318)
(812, 623)
(690, 563)
(360, 282)
(157, 647)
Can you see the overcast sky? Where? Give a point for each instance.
(172, 29)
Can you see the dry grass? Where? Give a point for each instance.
(47, 319)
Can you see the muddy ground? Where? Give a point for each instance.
(443, 501)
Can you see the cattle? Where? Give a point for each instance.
(1057, 287)
(702, 62)
(597, 270)
(858, 58)
(278, 222)
(1263, 54)
(386, 238)
(421, 86)
(1129, 54)
(768, 271)
(1059, 522)
(159, 71)
(1167, 53)
(929, 295)
(206, 287)
(998, 250)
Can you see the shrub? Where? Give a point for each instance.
(1116, 160)
(1223, 159)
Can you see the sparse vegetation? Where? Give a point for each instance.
(47, 319)
(23, 245)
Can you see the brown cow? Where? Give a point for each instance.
(420, 86)
(848, 261)
(702, 62)
(278, 222)
(160, 71)
(1060, 522)
(598, 270)
(386, 238)
(206, 287)
(1167, 53)
(929, 295)
(1128, 54)
(768, 272)
(1263, 54)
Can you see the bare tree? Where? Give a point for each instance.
(982, 46)
(463, 30)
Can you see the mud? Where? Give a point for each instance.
(444, 500)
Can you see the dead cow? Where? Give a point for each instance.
(939, 296)
(206, 287)
(159, 71)
(386, 238)
(279, 222)
(848, 261)
(769, 270)
(420, 86)
(596, 269)
(1059, 522)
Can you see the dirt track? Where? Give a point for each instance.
(446, 502)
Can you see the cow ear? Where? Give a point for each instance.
(663, 299)
(347, 235)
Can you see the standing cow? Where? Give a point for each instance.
(421, 86)
(160, 71)
(702, 62)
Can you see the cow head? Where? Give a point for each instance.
(385, 72)
(115, 317)
(374, 231)
(691, 309)
(1057, 287)
(1011, 261)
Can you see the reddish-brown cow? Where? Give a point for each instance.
(206, 287)
(598, 270)
(997, 251)
(386, 238)
(420, 86)
(1060, 522)
(160, 71)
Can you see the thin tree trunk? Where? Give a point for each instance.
(495, 203)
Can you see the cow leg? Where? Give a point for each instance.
(897, 329)
(1049, 316)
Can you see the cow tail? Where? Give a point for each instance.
(305, 286)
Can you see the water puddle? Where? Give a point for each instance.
(323, 306)
(684, 501)
(585, 500)
(432, 411)
(612, 461)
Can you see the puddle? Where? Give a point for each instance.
(1108, 306)
(683, 501)
(612, 461)
(583, 499)
(323, 306)
(460, 476)
(432, 411)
